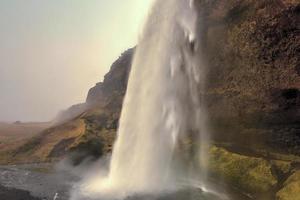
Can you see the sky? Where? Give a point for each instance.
(53, 51)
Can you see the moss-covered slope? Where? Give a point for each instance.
(85, 132)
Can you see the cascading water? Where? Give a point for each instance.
(161, 106)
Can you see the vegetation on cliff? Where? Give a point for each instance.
(291, 188)
(248, 173)
(253, 99)
(85, 130)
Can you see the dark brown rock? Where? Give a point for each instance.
(15, 194)
(115, 81)
(252, 49)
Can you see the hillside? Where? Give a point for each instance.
(86, 129)
(14, 135)
(15, 132)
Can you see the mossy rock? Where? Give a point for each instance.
(293, 178)
(283, 167)
(92, 149)
(291, 188)
(250, 174)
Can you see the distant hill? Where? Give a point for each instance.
(13, 135)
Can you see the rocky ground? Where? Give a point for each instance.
(33, 182)
(15, 194)
(240, 176)
(41, 182)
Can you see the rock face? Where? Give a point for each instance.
(69, 114)
(253, 91)
(114, 82)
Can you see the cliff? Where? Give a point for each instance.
(251, 50)
(115, 81)
(252, 53)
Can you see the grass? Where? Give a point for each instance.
(12, 135)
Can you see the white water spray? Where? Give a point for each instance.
(161, 105)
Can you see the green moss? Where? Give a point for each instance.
(282, 166)
(293, 178)
(29, 146)
(291, 188)
(290, 192)
(247, 173)
(92, 148)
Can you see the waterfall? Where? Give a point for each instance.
(162, 104)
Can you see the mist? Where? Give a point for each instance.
(53, 51)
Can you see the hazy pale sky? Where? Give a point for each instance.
(53, 51)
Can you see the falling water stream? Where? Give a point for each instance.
(161, 107)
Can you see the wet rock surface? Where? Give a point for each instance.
(15, 194)
(34, 182)
(38, 182)
(248, 173)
